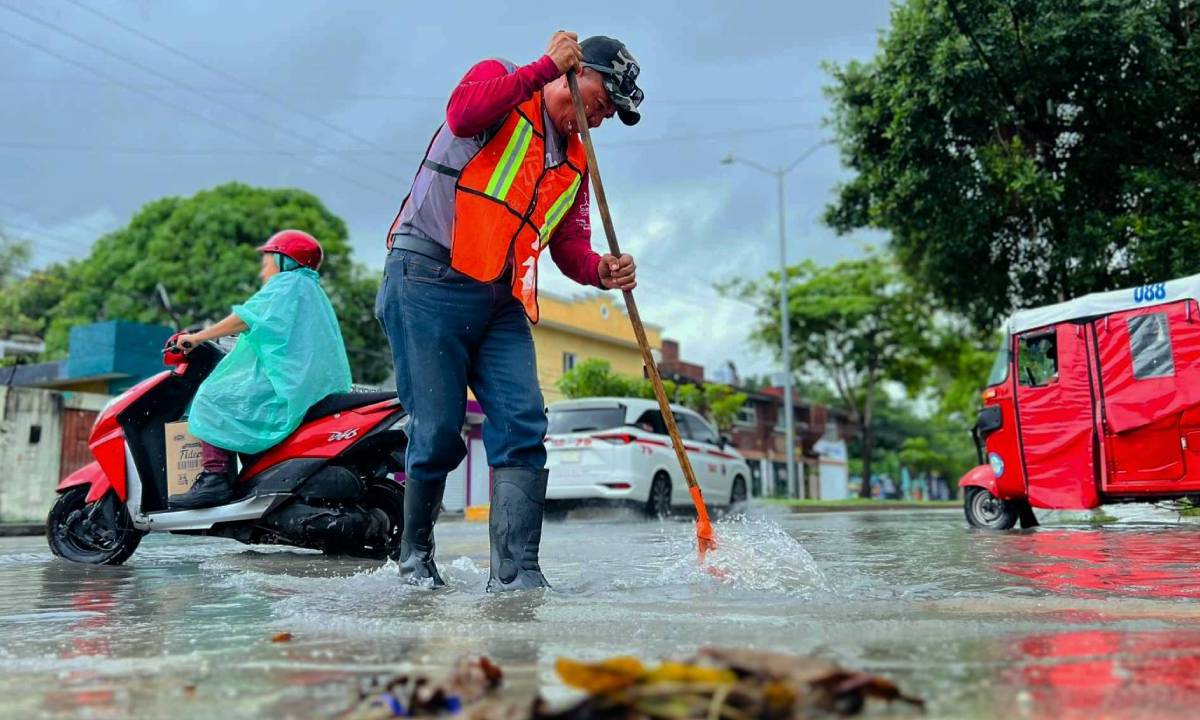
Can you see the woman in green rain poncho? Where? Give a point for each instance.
(290, 355)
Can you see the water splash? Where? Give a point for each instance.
(751, 554)
(464, 572)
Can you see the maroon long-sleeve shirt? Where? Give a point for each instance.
(485, 94)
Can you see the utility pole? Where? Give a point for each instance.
(785, 334)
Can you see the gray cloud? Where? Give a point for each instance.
(380, 71)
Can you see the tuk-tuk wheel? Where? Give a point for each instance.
(988, 512)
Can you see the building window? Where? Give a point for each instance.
(1150, 344)
(568, 361)
(747, 416)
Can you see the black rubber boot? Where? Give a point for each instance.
(422, 499)
(515, 525)
(209, 490)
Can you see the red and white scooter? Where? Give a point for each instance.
(329, 486)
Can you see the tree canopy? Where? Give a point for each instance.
(594, 377)
(1021, 152)
(854, 325)
(202, 251)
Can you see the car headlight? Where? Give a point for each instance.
(997, 464)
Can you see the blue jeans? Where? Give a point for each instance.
(448, 332)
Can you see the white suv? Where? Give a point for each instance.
(617, 449)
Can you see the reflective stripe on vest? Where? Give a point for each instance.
(558, 210)
(510, 161)
(508, 202)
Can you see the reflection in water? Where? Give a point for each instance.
(1061, 622)
(1149, 563)
(1105, 673)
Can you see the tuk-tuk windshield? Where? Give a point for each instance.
(999, 371)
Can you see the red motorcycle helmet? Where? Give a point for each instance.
(298, 245)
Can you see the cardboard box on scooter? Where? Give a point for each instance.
(183, 458)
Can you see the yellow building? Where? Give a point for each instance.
(575, 329)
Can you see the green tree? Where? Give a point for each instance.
(25, 297)
(815, 390)
(594, 377)
(201, 249)
(723, 404)
(755, 383)
(943, 449)
(855, 325)
(960, 363)
(690, 396)
(14, 255)
(908, 434)
(24, 303)
(1021, 152)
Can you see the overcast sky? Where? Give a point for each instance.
(340, 98)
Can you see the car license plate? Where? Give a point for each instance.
(569, 456)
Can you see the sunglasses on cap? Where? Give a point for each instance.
(622, 85)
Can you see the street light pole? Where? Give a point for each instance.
(786, 341)
(785, 334)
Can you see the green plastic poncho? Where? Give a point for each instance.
(290, 357)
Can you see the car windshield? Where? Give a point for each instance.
(585, 419)
(999, 371)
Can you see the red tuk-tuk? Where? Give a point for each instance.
(1091, 401)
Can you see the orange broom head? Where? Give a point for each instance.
(705, 537)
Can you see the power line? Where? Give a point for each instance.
(222, 73)
(406, 97)
(140, 150)
(714, 135)
(76, 223)
(180, 108)
(670, 289)
(156, 73)
(67, 248)
(86, 82)
(733, 101)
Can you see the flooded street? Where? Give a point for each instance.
(1066, 621)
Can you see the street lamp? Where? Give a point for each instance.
(785, 332)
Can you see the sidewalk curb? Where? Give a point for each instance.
(812, 510)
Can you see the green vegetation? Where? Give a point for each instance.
(1021, 152)
(854, 326)
(594, 377)
(201, 249)
(864, 503)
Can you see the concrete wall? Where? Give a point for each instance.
(29, 459)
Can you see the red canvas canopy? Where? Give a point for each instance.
(1111, 378)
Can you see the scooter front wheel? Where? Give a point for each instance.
(988, 512)
(98, 533)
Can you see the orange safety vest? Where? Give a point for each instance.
(507, 203)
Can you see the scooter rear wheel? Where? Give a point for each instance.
(988, 512)
(90, 533)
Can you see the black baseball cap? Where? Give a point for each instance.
(619, 68)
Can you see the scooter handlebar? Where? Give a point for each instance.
(174, 351)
